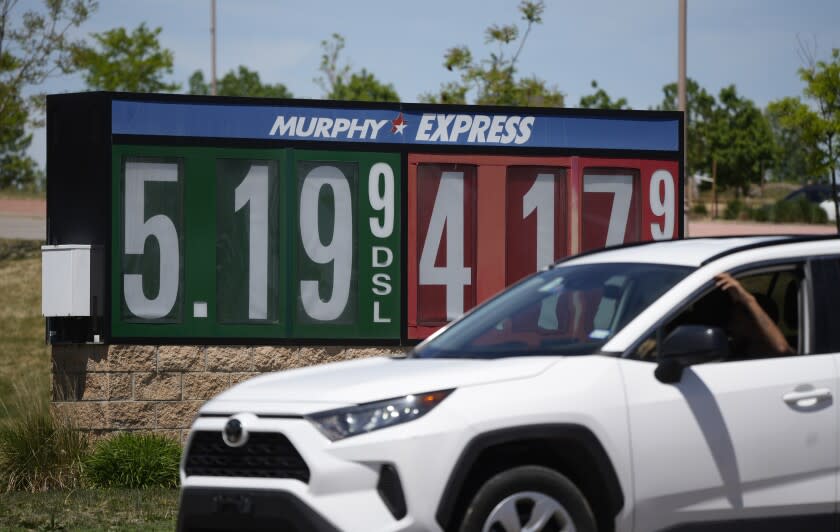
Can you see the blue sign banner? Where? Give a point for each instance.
(518, 128)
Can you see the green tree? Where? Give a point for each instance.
(17, 170)
(241, 82)
(740, 140)
(494, 80)
(339, 83)
(700, 105)
(34, 45)
(601, 100)
(822, 85)
(121, 61)
(795, 130)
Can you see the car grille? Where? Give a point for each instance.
(265, 454)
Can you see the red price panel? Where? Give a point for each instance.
(610, 210)
(446, 243)
(535, 219)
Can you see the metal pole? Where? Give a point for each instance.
(714, 188)
(213, 47)
(683, 107)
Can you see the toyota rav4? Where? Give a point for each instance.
(683, 385)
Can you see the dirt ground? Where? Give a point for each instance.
(32, 208)
(23, 218)
(698, 228)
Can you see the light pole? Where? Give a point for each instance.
(683, 107)
(213, 47)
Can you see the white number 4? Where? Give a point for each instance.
(448, 211)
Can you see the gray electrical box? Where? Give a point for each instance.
(70, 281)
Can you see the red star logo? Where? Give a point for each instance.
(398, 124)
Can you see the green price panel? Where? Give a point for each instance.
(255, 243)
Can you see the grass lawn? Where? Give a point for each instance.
(25, 363)
(150, 509)
(10, 193)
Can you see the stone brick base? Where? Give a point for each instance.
(108, 388)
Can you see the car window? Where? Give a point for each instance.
(813, 194)
(571, 310)
(826, 292)
(778, 294)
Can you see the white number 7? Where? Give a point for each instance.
(621, 186)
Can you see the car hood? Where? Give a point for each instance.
(305, 390)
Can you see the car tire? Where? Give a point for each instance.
(507, 501)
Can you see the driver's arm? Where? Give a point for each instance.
(769, 331)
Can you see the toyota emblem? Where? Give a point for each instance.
(234, 433)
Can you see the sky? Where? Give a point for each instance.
(628, 46)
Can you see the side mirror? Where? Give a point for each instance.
(687, 345)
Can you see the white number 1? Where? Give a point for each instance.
(540, 198)
(254, 190)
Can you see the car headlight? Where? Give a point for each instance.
(360, 419)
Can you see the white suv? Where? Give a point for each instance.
(614, 391)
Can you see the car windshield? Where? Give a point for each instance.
(568, 310)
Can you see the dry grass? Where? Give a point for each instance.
(11, 193)
(38, 451)
(23, 352)
(25, 379)
(151, 509)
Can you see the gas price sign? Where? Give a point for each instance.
(304, 221)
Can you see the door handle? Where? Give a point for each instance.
(807, 398)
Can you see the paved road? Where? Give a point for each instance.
(24, 227)
(24, 219)
(727, 228)
(27, 219)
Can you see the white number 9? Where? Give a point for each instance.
(340, 249)
(381, 201)
(662, 204)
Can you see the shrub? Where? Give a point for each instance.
(733, 209)
(800, 211)
(19, 249)
(699, 209)
(38, 450)
(763, 213)
(134, 460)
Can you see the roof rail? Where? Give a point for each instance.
(608, 248)
(774, 240)
(787, 239)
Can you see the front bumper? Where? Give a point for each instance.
(345, 489)
(245, 509)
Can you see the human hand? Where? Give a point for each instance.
(731, 286)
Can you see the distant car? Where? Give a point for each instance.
(816, 194)
(613, 392)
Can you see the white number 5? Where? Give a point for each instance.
(137, 230)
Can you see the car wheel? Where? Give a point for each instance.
(528, 499)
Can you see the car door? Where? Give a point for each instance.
(743, 443)
(825, 274)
